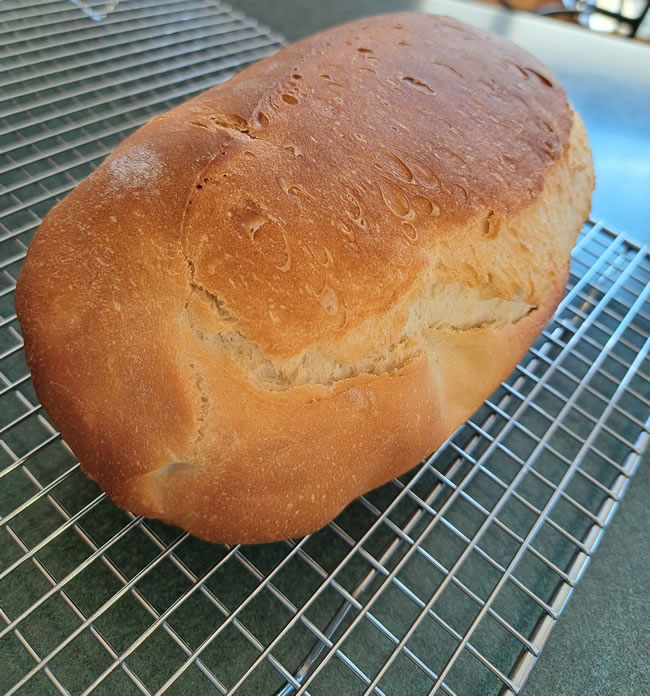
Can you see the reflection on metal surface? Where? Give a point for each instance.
(96, 10)
(611, 16)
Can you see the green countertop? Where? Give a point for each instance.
(600, 644)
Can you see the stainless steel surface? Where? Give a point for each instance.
(448, 580)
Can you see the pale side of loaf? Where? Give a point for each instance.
(294, 287)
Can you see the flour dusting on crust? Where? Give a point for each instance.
(134, 167)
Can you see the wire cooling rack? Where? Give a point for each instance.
(447, 580)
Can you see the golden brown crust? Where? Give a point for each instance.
(412, 124)
(240, 323)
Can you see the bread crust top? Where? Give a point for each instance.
(353, 152)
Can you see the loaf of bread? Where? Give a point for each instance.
(295, 286)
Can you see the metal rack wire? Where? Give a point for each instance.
(446, 580)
